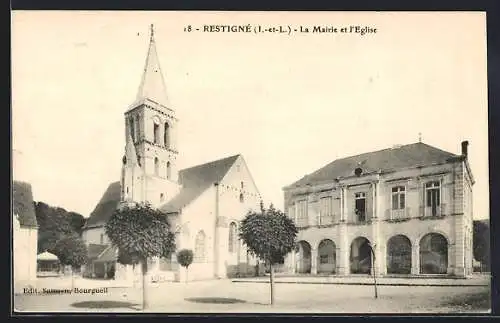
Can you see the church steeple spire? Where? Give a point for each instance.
(152, 85)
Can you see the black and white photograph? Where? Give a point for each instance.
(250, 162)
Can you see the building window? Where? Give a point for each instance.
(291, 212)
(127, 189)
(102, 238)
(432, 197)
(156, 133)
(199, 247)
(242, 198)
(325, 210)
(169, 170)
(233, 237)
(157, 166)
(162, 197)
(242, 185)
(360, 206)
(139, 160)
(398, 198)
(302, 213)
(166, 135)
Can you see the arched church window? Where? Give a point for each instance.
(156, 133)
(199, 247)
(166, 135)
(242, 198)
(132, 128)
(157, 166)
(162, 197)
(233, 237)
(137, 129)
(169, 170)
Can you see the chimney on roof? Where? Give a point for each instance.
(465, 146)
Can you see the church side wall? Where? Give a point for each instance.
(199, 218)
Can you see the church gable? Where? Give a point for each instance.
(239, 179)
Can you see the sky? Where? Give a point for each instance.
(289, 103)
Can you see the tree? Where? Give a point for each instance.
(53, 225)
(269, 235)
(481, 243)
(76, 222)
(185, 258)
(140, 232)
(71, 251)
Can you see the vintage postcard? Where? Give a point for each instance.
(250, 162)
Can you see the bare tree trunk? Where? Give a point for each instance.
(145, 301)
(271, 278)
(187, 272)
(373, 272)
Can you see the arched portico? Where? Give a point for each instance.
(303, 257)
(399, 255)
(433, 254)
(326, 257)
(361, 256)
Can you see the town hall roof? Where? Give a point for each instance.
(390, 159)
(194, 181)
(22, 204)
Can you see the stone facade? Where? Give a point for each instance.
(417, 220)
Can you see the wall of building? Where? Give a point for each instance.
(25, 244)
(453, 223)
(93, 236)
(237, 183)
(199, 216)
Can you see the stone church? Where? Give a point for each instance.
(204, 203)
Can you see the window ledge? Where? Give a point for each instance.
(360, 223)
(398, 220)
(430, 217)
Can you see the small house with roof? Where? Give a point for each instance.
(25, 235)
(204, 203)
(405, 210)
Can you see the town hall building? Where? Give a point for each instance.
(405, 210)
(204, 203)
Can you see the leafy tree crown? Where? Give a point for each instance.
(185, 257)
(140, 232)
(71, 250)
(268, 234)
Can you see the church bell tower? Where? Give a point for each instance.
(149, 169)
